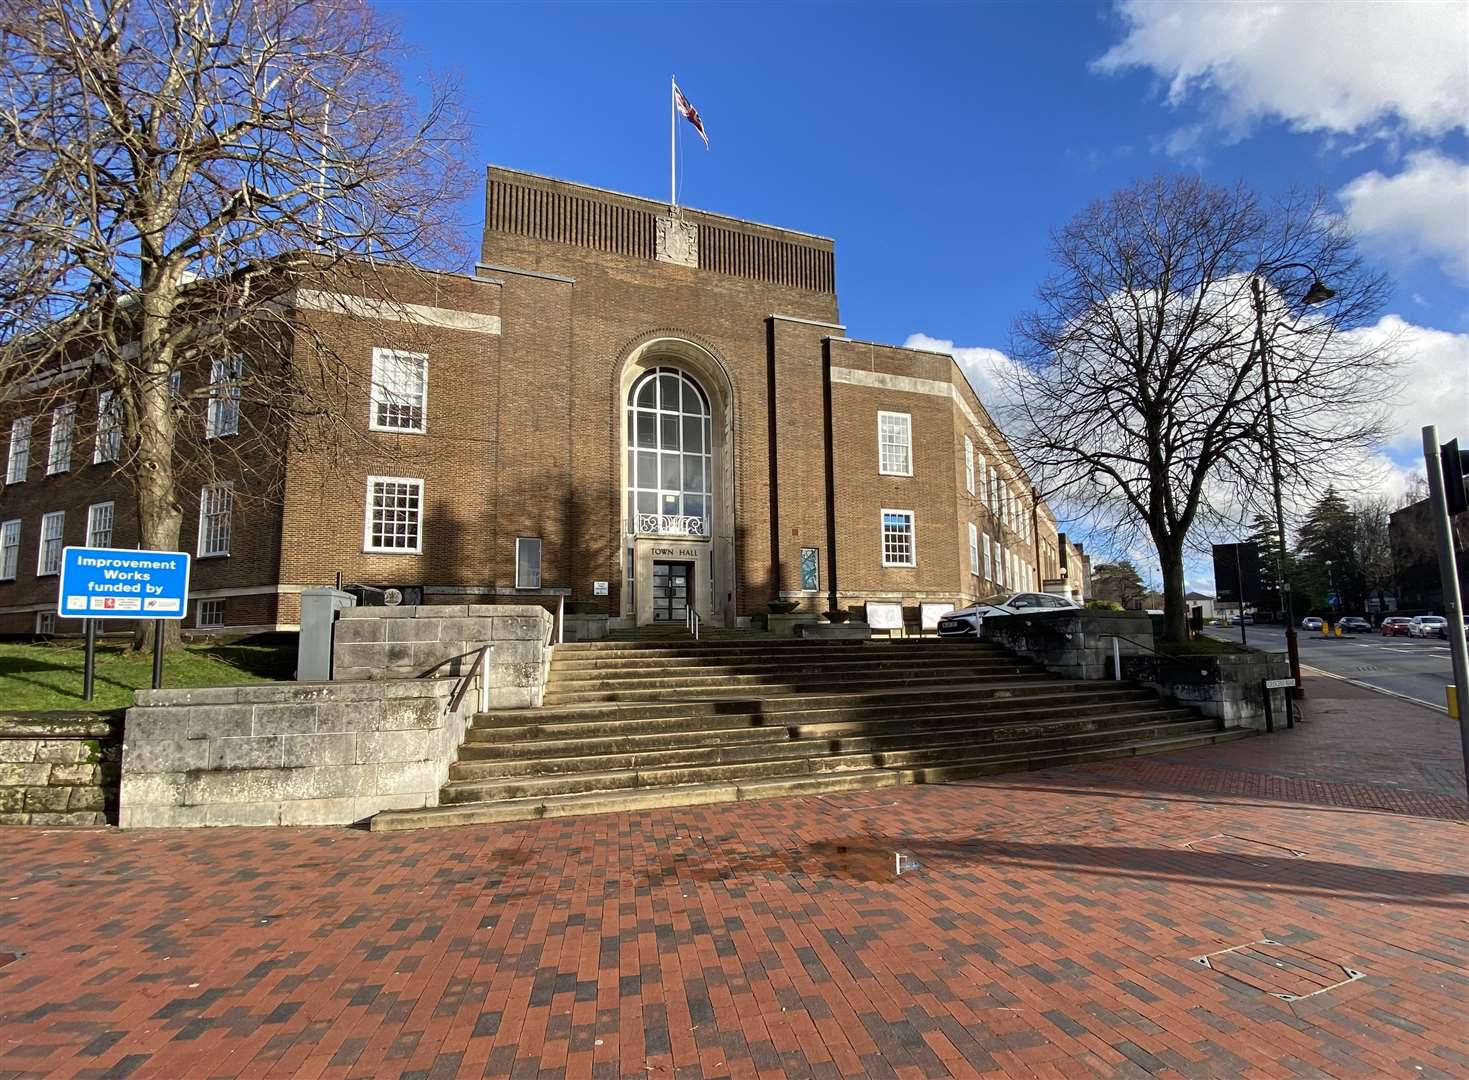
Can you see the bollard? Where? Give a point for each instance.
(1452, 692)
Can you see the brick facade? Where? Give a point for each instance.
(530, 361)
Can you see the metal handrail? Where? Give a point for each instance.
(479, 667)
(692, 620)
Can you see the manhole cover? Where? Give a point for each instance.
(1284, 971)
(1229, 844)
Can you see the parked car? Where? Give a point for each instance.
(1311, 622)
(965, 622)
(1427, 625)
(1249, 620)
(1394, 625)
(1353, 625)
(1443, 631)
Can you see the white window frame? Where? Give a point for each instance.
(9, 549)
(983, 473)
(973, 548)
(540, 550)
(906, 444)
(107, 441)
(912, 537)
(209, 494)
(93, 513)
(45, 623)
(18, 462)
(969, 464)
(989, 569)
(367, 544)
(59, 518)
(215, 605)
(379, 394)
(222, 417)
(63, 438)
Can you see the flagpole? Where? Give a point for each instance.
(672, 143)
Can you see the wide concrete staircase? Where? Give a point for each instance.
(663, 720)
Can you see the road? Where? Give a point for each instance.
(1416, 667)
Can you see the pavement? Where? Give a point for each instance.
(1418, 668)
(1293, 905)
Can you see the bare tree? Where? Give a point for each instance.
(169, 169)
(1139, 401)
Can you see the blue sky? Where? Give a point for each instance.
(940, 144)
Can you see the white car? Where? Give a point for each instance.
(1426, 625)
(965, 622)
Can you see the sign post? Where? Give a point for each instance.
(1448, 572)
(120, 583)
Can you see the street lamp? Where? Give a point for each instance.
(1316, 294)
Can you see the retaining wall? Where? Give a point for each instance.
(288, 753)
(443, 639)
(1227, 688)
(58, 769)
(1076, 643)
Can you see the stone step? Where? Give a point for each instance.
(615, 715)
(722, 689)
(737, 664)
(797, 742)
(485, 813)
(764, 675)
(732, 772)
(614, 735)
(691, 648)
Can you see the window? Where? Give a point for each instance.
(216, 507)
(973, 548)
(527, 562)
(969, 464)
(894, 444)
(208, 613)
(48, 558)
(109, 431)
(20, 451)
(983, 480)
(1000, 566)
(897, 538)
(9, 549)
(399, 390)
(394, 514)
(223, 417)
(810, 569)
(45, 623)
(989, 570)
(670, 460)
(63, 434)
(99, 525)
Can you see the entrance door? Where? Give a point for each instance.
(673, 584)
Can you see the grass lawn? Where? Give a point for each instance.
(37, 676)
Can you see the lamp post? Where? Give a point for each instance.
(1317, 293)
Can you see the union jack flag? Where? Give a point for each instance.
(690, 114)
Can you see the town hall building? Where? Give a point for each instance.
(625, 411)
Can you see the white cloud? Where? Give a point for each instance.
(1376, 66)
(1421, 212)
(989, 371)
(1433, 386)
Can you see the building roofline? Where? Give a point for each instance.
(658, 202)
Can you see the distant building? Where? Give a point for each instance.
(1201, 600)
(626, 408)
(1075, 580)
(1414, 545)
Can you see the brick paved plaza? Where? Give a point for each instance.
(1044, 924)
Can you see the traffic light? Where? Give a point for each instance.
(1455, 464)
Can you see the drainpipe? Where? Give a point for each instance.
(831, 500)
(770, 418)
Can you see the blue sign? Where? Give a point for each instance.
(1331, 599)
(116, 583)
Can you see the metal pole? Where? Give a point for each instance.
(673, 142)
(1292, 649)
(89, 665)
(1239, 576)
(1448, 571)
(1116, 658)
(157, 654)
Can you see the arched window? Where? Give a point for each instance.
(668, 457)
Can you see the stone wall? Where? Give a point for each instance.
(442, 639)
(58, 769)
(288, 753)
(1075, 643)
(1227, 688)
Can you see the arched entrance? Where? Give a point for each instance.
(677, 485)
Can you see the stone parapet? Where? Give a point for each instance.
(1076, 643)
(289, 753)
(58, 769)
(1227, 688)
(443, 639)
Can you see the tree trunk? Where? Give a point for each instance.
(160, 517)
(1175, 607)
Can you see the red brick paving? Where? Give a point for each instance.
(1049, 931)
